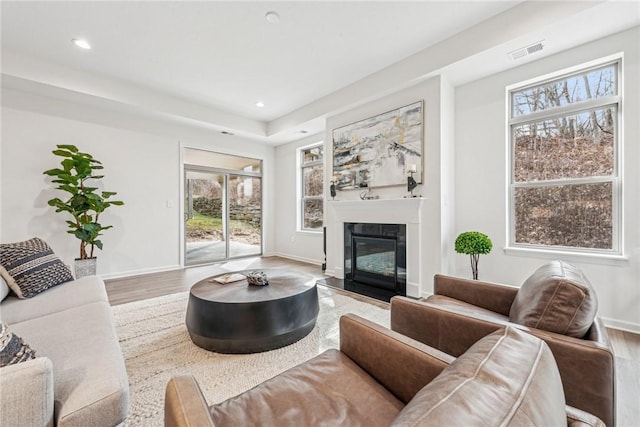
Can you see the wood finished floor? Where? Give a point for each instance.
(151, 285)
(626, 345)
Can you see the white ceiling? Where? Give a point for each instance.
(225, 54)
(217, 59)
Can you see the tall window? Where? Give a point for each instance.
(565, 184)
(311, 188)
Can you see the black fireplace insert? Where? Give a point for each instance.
(375, 259)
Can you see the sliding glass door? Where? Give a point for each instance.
(245, 213)
(205, 222)
(222, 207)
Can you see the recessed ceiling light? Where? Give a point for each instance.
(272, 17)
(259, 104)
(82, 44)
(304, 131)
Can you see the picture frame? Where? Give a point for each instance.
(380, 150)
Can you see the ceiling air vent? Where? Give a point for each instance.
(524, 51)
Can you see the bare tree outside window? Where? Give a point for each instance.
(312, 175)
(564, 151)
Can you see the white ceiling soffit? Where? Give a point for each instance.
(31, 71)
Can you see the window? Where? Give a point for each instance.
(564, 171)
(312, 187)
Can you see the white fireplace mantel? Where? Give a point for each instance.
(389, 211)
(406, 211)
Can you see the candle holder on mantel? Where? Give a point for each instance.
(411, 183)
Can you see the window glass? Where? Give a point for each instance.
(312, 187)
(312, 154)
(576, 216)
(593, 84)
(563, 159)
(313, 181)
(313, 214)
(571, 146)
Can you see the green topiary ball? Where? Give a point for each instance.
(473, 242)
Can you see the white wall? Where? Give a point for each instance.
(447, 177)
(432, 260)
(142, 163)
(480, 191)
(291, 243)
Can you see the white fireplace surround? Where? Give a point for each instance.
(382, 211)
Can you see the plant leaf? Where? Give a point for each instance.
(63, 153)
(71, 148)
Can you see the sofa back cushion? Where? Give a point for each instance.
(556, 298)
(507, 378)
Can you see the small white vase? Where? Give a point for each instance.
(85, 267)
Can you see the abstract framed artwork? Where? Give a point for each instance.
(378, 151)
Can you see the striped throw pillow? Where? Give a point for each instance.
(32, 267)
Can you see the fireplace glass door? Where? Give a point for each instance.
(374, 261)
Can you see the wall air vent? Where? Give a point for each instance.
(527, 50)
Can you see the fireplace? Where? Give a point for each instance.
(375, 259)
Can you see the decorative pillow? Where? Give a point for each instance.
(508, 378)
(13, 349)
(4, 288)
(556, 298)
(33, 266)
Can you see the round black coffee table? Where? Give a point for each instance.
(241, 318)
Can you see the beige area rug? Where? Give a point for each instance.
(156, 345)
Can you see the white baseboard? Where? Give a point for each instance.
(298, 258)
(621, 325)
(138, 272)
(413, 290)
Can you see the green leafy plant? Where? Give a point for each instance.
(474, 244)
(85, 203)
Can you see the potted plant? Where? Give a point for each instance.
(85, 203)
(473, 243)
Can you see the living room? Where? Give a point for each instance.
(461, 74)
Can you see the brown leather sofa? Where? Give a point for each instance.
(462, 311)
(382, 378)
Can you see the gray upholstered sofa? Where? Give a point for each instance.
(79, 376)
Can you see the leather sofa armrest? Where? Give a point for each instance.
(26, 393)
(402, 365)
(184, 404)
(587, 369)
(579, 418)
(491, 296)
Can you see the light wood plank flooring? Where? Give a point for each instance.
(626, 345)
(151, 285)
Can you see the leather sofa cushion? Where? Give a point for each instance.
(556, 298)
(329, 389)
(507, 378)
